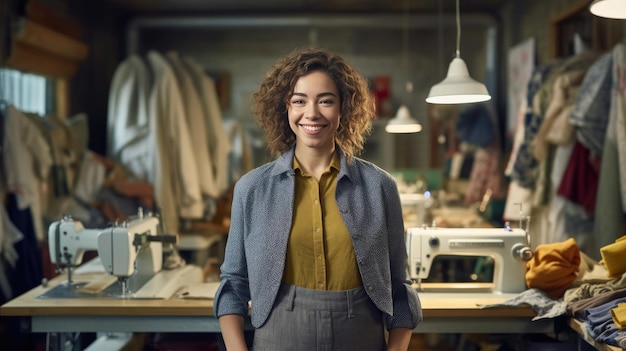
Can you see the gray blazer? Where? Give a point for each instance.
(369, 203)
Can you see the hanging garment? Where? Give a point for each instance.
(241, 159)
(219, 143)
(617, 115)
(176, 184)
(580, 179)
(27, 163)
(195, 116)
(474, 126)
(523, 167)
(540, 91)
(130, 140)
(562, 98)
(485, 176)
(557, 205)
(610, 217)
(591, 108)
(10, 236)
(27, 273)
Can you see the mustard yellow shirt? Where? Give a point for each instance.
(320, 254)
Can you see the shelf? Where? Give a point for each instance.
(579, 327)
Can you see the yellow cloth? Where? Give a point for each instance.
(553, 267)
(618, 313)
(320, 254)
(614, 257)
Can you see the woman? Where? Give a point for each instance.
(316, 242)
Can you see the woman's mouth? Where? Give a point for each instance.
(311, 128)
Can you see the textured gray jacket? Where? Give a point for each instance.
(369, 203)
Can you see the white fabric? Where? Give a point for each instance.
(556, 216)
(91, 177)
(219, 144)
(165, 126)
(241, 159)
(518, 139)
(176, 182)
(129, 123)
(518, 202)
(27, 163)
(196, 118)
(456, 164)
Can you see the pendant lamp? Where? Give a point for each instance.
(403, 122)
(458, 87)
(609, 8)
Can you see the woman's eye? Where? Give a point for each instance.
(326, 102)
(297, 102)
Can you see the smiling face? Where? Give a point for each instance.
(314, 112)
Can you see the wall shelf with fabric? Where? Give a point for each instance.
(44, 43)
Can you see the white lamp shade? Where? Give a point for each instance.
(458, 87)
(609, 8)
(403, 122)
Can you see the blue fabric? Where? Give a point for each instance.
(541, 303)
(369, 203)
(599, 321)
(27, 273)
(474, 126)
(597, 314)
(28, 270)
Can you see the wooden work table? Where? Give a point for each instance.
(443, 313)
(449, 312)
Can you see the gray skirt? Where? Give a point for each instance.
(306, 319)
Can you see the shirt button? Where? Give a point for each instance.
(316, 201)
(317, 230)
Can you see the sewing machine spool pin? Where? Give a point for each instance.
(523, 219)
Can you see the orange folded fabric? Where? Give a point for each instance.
(553, 267)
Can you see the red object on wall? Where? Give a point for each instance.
(381, 87)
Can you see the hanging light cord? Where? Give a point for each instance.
(405, 48)
(405, 36)
(458, 31)
(440, 51)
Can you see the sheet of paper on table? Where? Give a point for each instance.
(201, 291)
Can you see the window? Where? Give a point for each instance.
(27, 92)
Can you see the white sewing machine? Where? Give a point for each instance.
(507, 249)
(126, 249)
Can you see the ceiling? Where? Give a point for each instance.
(260, 7)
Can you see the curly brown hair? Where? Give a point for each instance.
(271, 101)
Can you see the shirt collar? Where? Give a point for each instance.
(335, 164)
(284, 164)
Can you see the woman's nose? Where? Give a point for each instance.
(311, 111)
